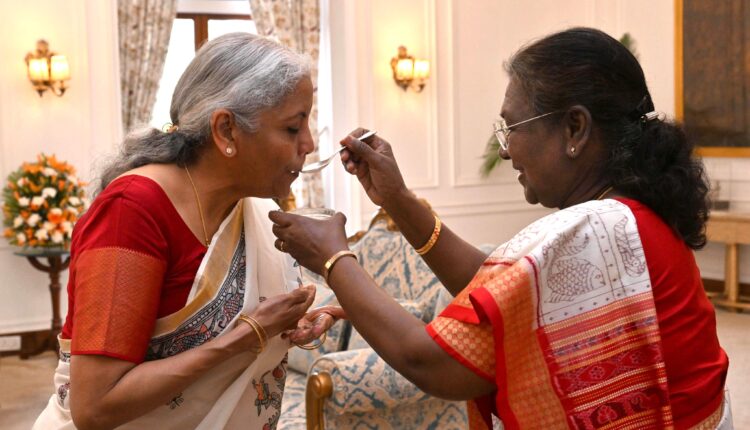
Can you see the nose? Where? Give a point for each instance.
(306, 142)
(504, 154)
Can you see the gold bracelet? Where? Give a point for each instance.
(435, 235)
(259, 331)
(331, 261)
(312, 345)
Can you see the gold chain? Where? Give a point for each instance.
(200, 208)
(604, 193)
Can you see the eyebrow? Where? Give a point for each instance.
(299, 114)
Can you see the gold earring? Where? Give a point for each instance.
(229, 150)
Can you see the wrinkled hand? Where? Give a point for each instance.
(279, 313)
(310, 241)
(315, 323)
(374, 165)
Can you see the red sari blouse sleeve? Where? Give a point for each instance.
(117, 273)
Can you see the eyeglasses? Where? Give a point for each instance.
(502, 129)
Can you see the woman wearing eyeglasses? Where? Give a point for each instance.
(591, 317)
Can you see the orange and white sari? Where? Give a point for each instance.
(562, 320)
(239, 270)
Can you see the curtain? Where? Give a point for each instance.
(296, 24)
(144, 29)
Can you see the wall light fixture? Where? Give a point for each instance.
(47, 70)
(409, 72)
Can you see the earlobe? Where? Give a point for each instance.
(221, 131)
(579, 130)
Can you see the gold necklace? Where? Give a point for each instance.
(200, 208)
(604, 193)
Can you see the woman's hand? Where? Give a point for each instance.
(374, 165)
(315, 323)
(277, 314)
(311, 242)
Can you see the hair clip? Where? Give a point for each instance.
(648, 117)
(170, 128)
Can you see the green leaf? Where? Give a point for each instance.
(491, 157)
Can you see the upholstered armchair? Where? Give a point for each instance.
(345, 384)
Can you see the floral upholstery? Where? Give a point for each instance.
(367, 392)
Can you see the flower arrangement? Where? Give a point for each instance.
(42, 201)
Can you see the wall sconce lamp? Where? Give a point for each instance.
(409, 72)
(47, 70)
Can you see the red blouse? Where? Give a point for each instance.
(133, 260)
(695, 363)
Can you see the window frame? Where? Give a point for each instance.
(200, 23)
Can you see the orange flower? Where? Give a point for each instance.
(55, 216)
(8, 232)
(25, 214)
(34, 187)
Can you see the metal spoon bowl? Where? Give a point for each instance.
(318, 165)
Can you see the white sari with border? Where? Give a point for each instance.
(240, 269)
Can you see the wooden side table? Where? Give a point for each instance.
(733, 229)
(57, 261)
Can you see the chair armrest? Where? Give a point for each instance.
(360, 381)
(319, 388)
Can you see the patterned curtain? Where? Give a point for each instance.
(296, 23)
(144, 30)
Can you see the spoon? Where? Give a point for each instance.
(314, 167)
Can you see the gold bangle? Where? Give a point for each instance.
(312, 345)
(259, 331)
(435, 235)
(331, 261)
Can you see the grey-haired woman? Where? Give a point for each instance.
(180, 311)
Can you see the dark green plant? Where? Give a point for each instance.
(628, 42)
(491, 157)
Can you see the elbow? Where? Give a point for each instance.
(421, 368)
(88, 418)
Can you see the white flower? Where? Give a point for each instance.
(18, 221)
(86, 203)
(33, 219)
(48, 171)
(37, 201)
(21, 182)
(67, 227)
(57, 237)
(23, 201)
(48, 226)
(41, 234)
(49, 192)
(75, 201)
(21, 238)
(55, 211)
(73, 179)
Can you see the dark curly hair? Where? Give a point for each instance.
(649, 161)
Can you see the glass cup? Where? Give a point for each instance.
(303, 276)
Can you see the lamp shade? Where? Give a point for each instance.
(38, 70)
(421, 69)
(59, 67)
(405, 69)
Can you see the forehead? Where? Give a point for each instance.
(515, 101)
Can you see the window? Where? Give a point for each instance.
(189, 32)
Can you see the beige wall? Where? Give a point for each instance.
(77, 127)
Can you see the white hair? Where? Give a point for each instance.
(241, 72)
